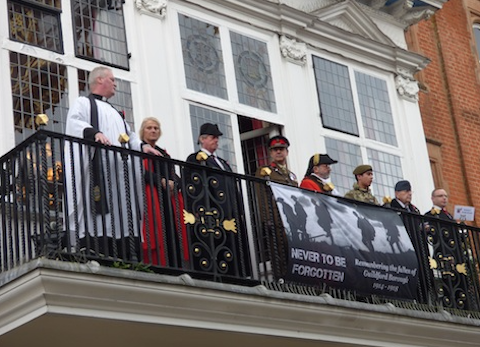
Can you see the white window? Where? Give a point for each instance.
(40, 84)
(355, 107)
(229, 71)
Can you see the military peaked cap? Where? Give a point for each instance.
(278, 142)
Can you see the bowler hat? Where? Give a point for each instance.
(278, 141)
(210, 129)
(361, 169)
(402, 185)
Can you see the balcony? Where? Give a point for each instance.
(155, 249)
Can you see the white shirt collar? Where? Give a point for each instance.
(208, 152)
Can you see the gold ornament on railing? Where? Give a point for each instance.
(123, 138)
(201, 156)
(41, 119)
(188, 218)
(230, 225)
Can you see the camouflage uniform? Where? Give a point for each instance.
(361, 194)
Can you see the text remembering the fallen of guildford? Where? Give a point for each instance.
(324, 266)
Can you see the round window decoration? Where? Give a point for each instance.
(202, 54)
(252, 69)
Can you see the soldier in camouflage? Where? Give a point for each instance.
(361, 189)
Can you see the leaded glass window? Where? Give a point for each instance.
(36, 23)
(122, 100)
(99, 31)
(476, 32)
(200, 115)
(349, 157)
(202, 57)
(253, 72)
(38, 86)
(387, 170)
(335, 96)
(375, 109)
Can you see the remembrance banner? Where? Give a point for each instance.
(347, 245)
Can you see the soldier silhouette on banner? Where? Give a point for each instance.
(291, 219)
(301, 218)
(368, 231)
(324, 218)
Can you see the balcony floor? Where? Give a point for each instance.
(54, 303)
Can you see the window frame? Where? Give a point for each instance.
(56, 12)
(361, 140)
(97, 60)
(476, 26)
(231, 104)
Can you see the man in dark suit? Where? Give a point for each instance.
(403, 198)
(440, 201)
(208, 140)
(217, 235)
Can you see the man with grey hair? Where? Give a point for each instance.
(214, 197)
(96, 179)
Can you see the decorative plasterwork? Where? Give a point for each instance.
(408, 12)
(348, 16)
(407, 86)
(415, 16)
(293, 51)
(157, 8)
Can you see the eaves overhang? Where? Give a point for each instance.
(304, 23)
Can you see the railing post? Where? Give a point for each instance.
(45, 229)
(123, 139)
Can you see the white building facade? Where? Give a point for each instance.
(333, 76)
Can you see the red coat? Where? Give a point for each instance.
(312, 183)
(157, 227)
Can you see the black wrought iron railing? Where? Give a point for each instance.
(68, 199)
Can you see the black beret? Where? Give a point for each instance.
(361, 169)
(402, 185)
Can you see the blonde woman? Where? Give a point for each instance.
(164, 233)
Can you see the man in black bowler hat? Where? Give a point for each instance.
(218, 240)
(208, 141)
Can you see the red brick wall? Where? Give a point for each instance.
(450, 98)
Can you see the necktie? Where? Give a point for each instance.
(219, 163)
(447, 213)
